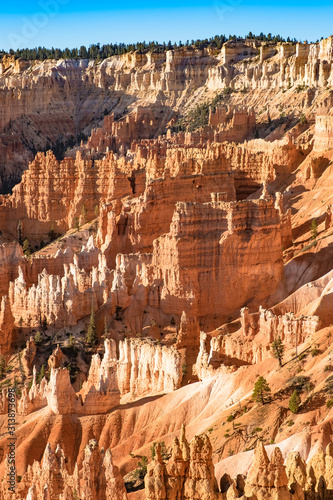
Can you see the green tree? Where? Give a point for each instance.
(26, 247)
(278, 349)
(302, 119)
(76, 223)
(41, 374)
(141, 469)
(19, 232)
(261, 390)
(92, 338)
(16, 387)
(38, 337)
(314, 229)
(71, 342)
(294, 402)
(2, 367)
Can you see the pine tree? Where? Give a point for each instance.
(26, 247)
(38, 337)
(261, 390)
(19, 233)
(70, 342)
(2, 367)
(278, 349)
(314, 229)
(76, 223)
(294, 402)
(91, 334)
(83, 215)
(41, 374)
(16, 387)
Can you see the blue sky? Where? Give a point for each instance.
(71, 23)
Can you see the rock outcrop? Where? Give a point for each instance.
(274, 479)
(145, 368)
(97, 479)
(188, 474)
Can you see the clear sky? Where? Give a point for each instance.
(72, 23)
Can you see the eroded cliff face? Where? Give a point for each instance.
(191, 251)
(50, 101)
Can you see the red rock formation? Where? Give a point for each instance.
(188, 474)
(97, 479)
(267, 479)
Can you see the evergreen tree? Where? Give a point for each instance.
(294, 402)
(92, 338)
(16, 387)
(278, 349)
(41, 374)
(77, 223)
(26, 247)
(261, 390)
(83, 215)
(38, 337)
(314, 229)
(2, 367)
(70, 342)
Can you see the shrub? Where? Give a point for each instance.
(328, 368)
(329, 403)
(290, 423)
(329, 384)
(315, 352)
(302, 356)
(302, 119)
(258, 429)
(226, 435)
(294, 402)
(299, 383)
(230, 418)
